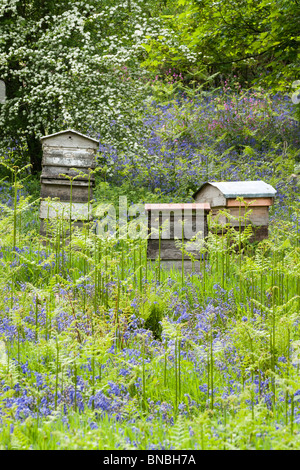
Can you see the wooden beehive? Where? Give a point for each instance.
(67, 154)
(168, 219)
(258, 196)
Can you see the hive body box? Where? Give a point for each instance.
(67, 154)
(169, 218)
(223, 195)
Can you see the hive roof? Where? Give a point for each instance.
(247, 189)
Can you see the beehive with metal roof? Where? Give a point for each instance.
(257, 197)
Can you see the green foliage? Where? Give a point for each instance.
(224, 368)
(155, 310)
(244, 37)
(110, 192)
(77, 367)
(72, 64)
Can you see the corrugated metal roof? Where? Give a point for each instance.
(73, 132)
(233, 189)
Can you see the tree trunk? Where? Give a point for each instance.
(35, 153)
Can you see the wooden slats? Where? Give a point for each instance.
(258, 202)
(67, 154)
(56, 209)
(169, 250)
(257, 198)
(57, 173)
(65, 182)
(177, 207)
(69, 139)
(49, 226)
(170, 217)
(75, 158)
(241, 216)
(63, 192)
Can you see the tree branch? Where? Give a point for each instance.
(251, 56)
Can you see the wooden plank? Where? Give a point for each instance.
(169, 250)
(56, 172)
(58, 151)
(46, 224)
(69, 139)
(178, 207)
(264, 201)
(259, 233)
(217, 217)
(63, 192)
(211, 195)
(65, 182)
(171, 224)
(57, 209)
(70, 158)
(258, 216)
(188, 266)
(69, 161)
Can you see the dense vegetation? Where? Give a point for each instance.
(98, 348)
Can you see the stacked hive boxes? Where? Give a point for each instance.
(68, 158)
(257, 196)
(168, 222)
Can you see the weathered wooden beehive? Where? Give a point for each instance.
(182, 222)
(258, 196)
(68, 158)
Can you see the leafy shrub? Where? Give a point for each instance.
(155, 310)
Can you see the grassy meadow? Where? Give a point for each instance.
(100, 349)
